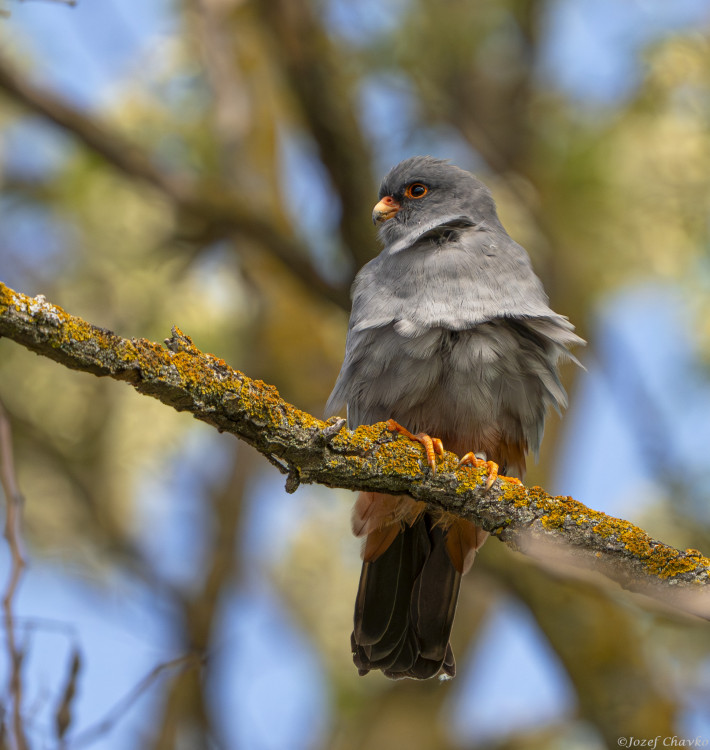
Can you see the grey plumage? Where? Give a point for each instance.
(450, 334)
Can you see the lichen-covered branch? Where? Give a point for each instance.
(369, 458)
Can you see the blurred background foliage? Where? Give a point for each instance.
(229, 192)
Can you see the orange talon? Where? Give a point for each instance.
(432, 446)
(470, 459)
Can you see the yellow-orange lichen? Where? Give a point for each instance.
(660, 559)
(470, 478)
(515, 493)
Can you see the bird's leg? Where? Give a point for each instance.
(432, 445)
(471, 459)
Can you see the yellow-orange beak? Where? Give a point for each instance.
(385, 209)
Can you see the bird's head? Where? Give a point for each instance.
(422, 194)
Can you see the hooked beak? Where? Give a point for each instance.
(385, 209)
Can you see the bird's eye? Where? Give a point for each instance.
(416, 190)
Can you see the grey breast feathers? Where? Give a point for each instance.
(457, 333)
(500, 375)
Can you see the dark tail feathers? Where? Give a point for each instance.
(405, 606)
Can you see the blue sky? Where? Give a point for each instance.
(592, 54)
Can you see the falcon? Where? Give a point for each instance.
(451, 341)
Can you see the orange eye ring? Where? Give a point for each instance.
(416, 190)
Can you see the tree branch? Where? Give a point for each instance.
(209, 209)
(13, 513)
(312, 65)
(370, 458)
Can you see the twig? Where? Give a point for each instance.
(7, 14)
(70, 3)
(121, 708)
(368, 459)
(63, 715)
(13, 517)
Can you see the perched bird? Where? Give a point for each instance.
(450, 339)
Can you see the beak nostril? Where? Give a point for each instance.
(385, 209)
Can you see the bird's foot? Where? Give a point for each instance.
(471, 459)
(433, 446)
